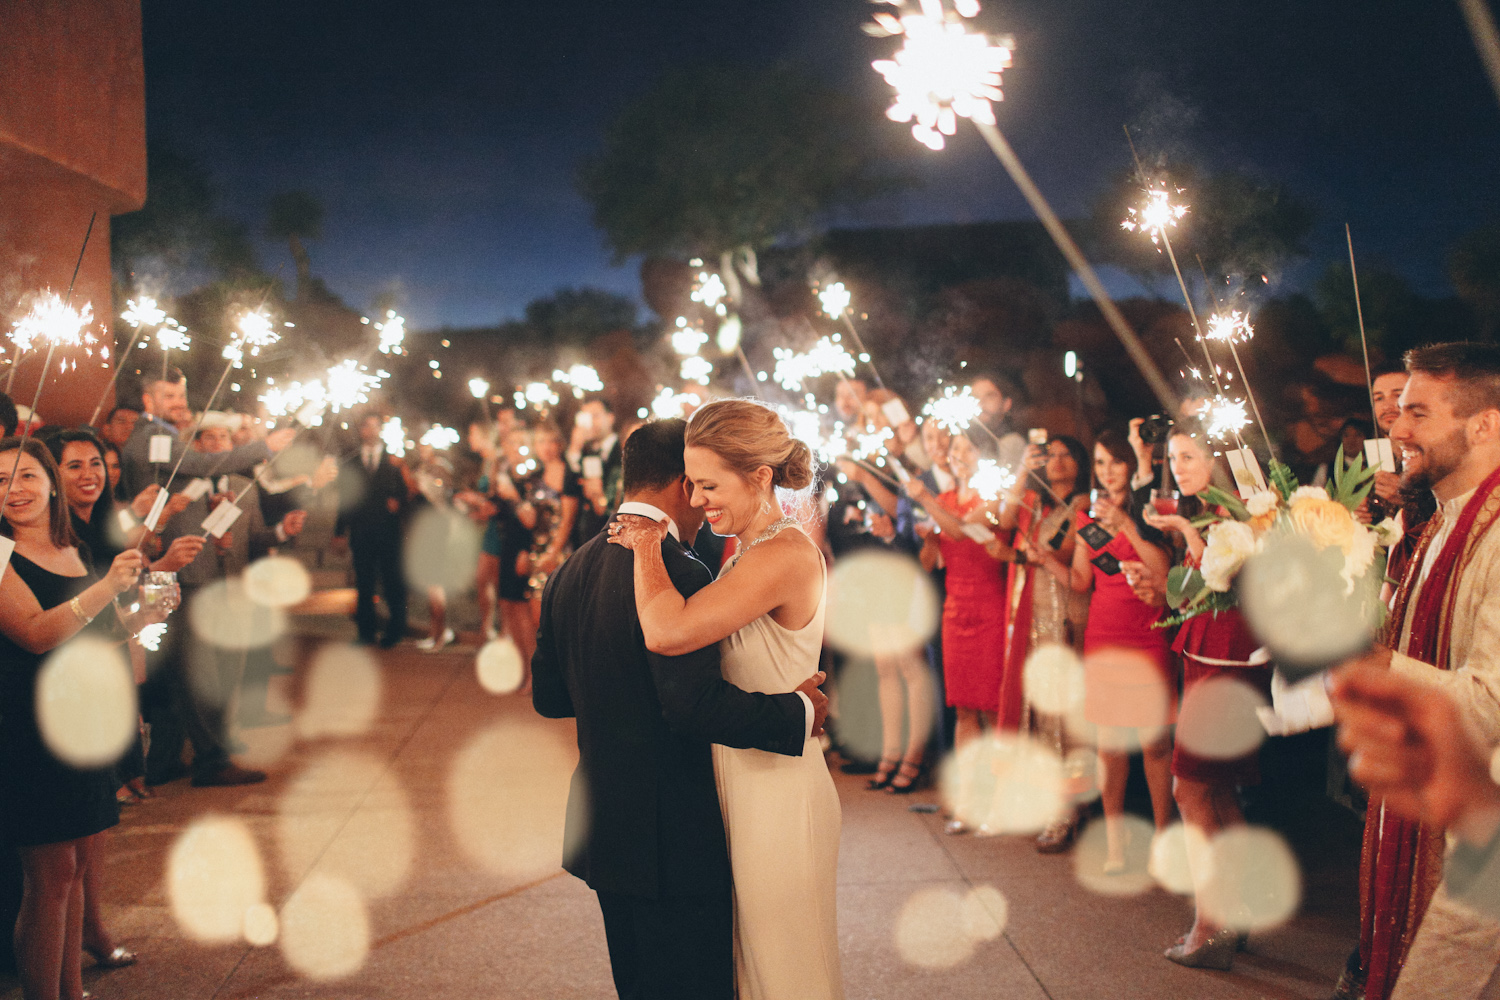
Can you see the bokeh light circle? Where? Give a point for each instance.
(1091, 851)
(930, 930)
(1294, 598)
(223, 614)
(341, 696)
(1218, 719)
(214, 877)
(86, 703)
(1171, 858)
(442, 550)
(1255, 882)
(325, 928)
(1053, 679)
(376, 836)
(262, 926)
(498, 666)
(880, 602)
(277, 582)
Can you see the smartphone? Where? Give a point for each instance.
(593, 467)
(1037, 436)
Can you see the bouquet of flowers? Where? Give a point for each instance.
(1313, 518)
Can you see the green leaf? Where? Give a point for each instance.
(1222, 498)
(1183, 583)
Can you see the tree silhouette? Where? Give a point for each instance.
(719, 159)
(1474, 269)
(295, 216)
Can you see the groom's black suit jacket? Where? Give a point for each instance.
(643, 810)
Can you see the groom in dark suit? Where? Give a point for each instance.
(643, 827)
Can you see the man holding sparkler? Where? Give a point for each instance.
(372, 505)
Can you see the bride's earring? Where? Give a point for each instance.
(765, 505)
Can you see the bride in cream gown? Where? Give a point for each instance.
(766, 610)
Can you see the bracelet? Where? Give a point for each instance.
(77, 608)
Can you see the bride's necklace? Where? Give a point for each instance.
(772, 530)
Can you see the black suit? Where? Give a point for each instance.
(366, 499)
(644, 828)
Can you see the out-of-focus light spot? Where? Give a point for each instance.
(1126, 701)
(879, 603)
(1254, 884)
(1029, 784)
(224, 615)
(1295, 599)
(1170, 865)
(1092, 850)
(508, 794)
(342, 693)
(85, 703)
(214, 877)
(325, 929)
(277, 582)
(938, 928)
(261, 925)
(442, 550)
(356, 797)
(499, 666)
(1218, 719)
(1053, 679)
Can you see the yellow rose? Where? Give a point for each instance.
(1326, 523)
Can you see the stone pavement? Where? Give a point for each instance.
(409, 837)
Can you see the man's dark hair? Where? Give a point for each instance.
(173, 375)
(1387, 368)
(9, 418)
(123, 406)
(1009, 387)
(653, 455)
(1474, 369)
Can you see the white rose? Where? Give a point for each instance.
(1230, 543)
(1359, 558)
(1307, 493)
(1262, 503)
(1389, 532)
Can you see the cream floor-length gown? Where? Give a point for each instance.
(782, 819)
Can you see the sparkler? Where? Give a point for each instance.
(392, 333)
(478, 388)
(710, 291)
(990, 480)
(1224, 418)
(835, 300)
(150, 636)
(669, 404)
(349, 384)
(826, 356)
(537, 394)
(939, 76)
(1359, 313)
(872, 444)
(139, 314)
(954, 410)
(581, 377)
(62, 325)
(1231, 328)
(439, 437)
(171, 337)
(393, 436)
(696, 369)
(686, 340)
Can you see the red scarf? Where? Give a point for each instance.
(1402, 860)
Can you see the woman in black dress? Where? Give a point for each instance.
(53, 813)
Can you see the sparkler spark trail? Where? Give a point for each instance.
(440, 437)
(826, 357)
(1224, 418)
(686, 340)
(1155, 216)
(349, 384)
(1230, 328)
(478, 388)
(807, 427)
(942, 72)
(143, 312)
(150, 636)
(171, 337)
(392, 332)
(990, 480)
(955, 410)
(872, 444)
(696, 369)
(711, 292)
(669, 404)
(581, 377)
(52, 322)
(393, 436)
(835, 299)
(538, 394)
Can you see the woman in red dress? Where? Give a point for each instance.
(1129, 682)
(1214, 646)
(974, 609)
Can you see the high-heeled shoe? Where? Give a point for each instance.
(116, 958)
(1215, 953)
(909, 777)
(885, 773)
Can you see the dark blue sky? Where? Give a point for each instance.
(443, 136)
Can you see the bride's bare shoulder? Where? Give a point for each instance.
(793, 549)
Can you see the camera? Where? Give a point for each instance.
(1155, 428)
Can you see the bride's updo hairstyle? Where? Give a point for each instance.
(747, 434)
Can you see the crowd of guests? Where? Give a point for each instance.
(1073, 555)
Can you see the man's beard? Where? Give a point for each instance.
(1436, 463)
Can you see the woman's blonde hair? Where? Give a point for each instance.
(747, 434)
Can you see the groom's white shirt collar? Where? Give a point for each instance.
(655, 513)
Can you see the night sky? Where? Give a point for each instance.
(442, 137)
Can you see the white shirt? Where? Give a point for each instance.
(658, 515)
